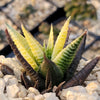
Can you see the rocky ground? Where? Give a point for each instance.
(12, 89)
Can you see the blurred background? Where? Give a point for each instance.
(37, 15)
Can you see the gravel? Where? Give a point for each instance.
(12, 89)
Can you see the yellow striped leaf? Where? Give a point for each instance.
(61, 39)
(50, 44)
(22, 46)
(36, 48)
(66, 56)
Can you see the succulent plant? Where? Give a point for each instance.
(52, 64)
(80, 10)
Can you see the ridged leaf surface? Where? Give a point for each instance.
(61, 39)
(36, 48)
(73, 66)
(66, 56)
(50, 44)
(23, 47)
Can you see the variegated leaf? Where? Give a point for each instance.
(22, 46)
(61, 39)
(50, 44)
(66, 56)
(71, 70)
(35, 77)
(36, 48)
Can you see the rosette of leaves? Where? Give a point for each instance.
(52, 64)
(80, 10)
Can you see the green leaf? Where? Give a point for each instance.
(61, 39)
(36, 48)
(22, 46)
(50, 44)
(73, 66)
(56, 73)
(35, 77)
(66, 56)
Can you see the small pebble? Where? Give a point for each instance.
(93, 87)
(12, 90)
(33, 90)
(23, 92)
(2, 96)
(50, 96)
(2, 85)
(12, 81)
(31, 95)
(7, 77)
(9, 98)
(1, 74)
(75, 93)
(39, 97)
(28, 98)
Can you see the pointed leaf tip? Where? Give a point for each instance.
(50, 44)
(35, 46)
(69, 18)
(85, 32)
(22, 46)
(66, 56)
(61, 39)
